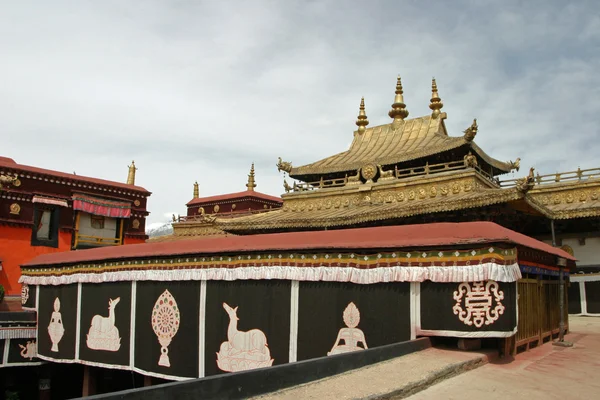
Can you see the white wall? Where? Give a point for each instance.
(85, 227)
(588, 254)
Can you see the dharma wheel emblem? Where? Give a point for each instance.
(368, 172)
(165, 323)
(481, 304)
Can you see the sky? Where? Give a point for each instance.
(198, 90)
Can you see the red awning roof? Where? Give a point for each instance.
(10, 163)
(232, 196)
(385, 237)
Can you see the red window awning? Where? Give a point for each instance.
(98, 206)
(50, 201)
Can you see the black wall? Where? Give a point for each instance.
(183, 349)
(574, 298)
(94, 301)
(592, 297)
(437, 302)
(67, 295)
(384, 314)
(263, 305)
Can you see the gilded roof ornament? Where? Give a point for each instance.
(196, 190)
(436, 102)
(251, 184)
(283, 166)
(287, 186)
(398, 111)
(524, 184)
(515, 164)
(131, 175)
(471, 131)
(362, 120)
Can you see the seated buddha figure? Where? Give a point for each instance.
(351, 335)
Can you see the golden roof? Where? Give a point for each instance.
(346, 215)
(394, 143)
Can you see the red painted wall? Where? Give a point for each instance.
(16, 249)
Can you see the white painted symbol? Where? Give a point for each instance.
(103, 334)
(243, 350)
(351, 335)
(56, 329)
(478, 305)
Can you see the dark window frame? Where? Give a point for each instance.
(54, 226)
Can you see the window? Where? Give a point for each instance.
(97, 221)
(45, 227)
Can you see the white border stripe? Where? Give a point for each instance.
(202, 330)
(132, 325)
(78, 322)
(584, 277)
(417, 308)
(462, 334)
(436, 273)
(295, 296)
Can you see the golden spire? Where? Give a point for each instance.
(251, 185)
(436, 103)
(398, 111)
(131, 175)
(362, 120)
(196, 190)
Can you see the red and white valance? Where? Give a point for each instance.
(99, 206)
(50, 201)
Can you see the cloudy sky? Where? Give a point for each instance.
(198, 90)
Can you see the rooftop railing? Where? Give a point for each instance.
(228, 214)
(427, 169)
(571, 176)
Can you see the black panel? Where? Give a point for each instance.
(2, 341)
(67, 294)
(30, 293)
(592, 297)
(574, 297)
(437, 302)
(20, 350)
(262, 305)
(183, 349)
(99, 336)
(384, 314)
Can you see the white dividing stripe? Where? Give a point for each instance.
(413, 311)
(132, 324)
(78, 322)
(582, 294)
(295, 292)
(37, 313)
(417, 308)
(202, 330)
(517, 303)
(5, 355)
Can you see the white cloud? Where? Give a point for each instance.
(200, 90)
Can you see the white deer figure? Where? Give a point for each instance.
(103, 334)
(242, 350)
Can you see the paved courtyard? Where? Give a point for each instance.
(547, 372)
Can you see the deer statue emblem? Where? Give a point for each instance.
(103, 334)
(29, 350)
(242, 350)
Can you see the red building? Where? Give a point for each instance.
(44, 211)
(239, 203)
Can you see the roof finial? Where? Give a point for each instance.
(471, 131)
(251, 185)
(398, 111)
(362, 120)
(196, 190)
(131, 175)
(436, 103)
